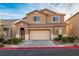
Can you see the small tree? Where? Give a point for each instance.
(60, 36)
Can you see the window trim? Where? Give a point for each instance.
(36, 21)
(55, 21)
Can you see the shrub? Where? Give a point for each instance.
(1, 39)
(20, 40)
(71, 39)
(16, 40)
(5, 42)
(75, 45)
(56, 39)
(65, 39)
(9, 41)
(60, 36)
(12, 41)
(68, 39)
(1, 45)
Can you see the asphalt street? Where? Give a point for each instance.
(42, 52)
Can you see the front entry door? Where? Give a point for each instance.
(22, 33)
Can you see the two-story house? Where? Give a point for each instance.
(6, 28)
(39, 25)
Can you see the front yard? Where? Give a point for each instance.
(66, 41)
(57, 42)
(7, 42)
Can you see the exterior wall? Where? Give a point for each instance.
(62, 30)
(6, 23)
(72, 26)
(51, 14)
(49, 18)
(16, 30)
(1, 31)
(31, 21)
(44, 18)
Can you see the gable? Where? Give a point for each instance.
(47, 11)
(36, 11)
(70, 18)
(20, 22)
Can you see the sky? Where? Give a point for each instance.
(19, 10)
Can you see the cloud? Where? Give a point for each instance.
(19, 10)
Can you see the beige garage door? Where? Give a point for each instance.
(39, 35)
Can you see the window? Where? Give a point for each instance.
(36, 18)
(56, 18)
(6, 31)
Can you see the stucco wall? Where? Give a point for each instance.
(73, 26)
(43, 17)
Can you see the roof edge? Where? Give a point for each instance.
(72, 16)
(52, 11)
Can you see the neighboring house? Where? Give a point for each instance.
(6, 27)
(73, 25)
(39, 25)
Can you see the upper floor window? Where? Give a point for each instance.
(36, 18)
(56, 19)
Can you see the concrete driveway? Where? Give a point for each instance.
(37, 43)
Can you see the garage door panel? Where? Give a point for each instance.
(39, 35)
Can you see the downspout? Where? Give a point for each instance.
(46, 18)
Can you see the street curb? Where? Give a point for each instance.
(35, 48)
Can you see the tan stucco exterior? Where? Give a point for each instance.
(46, 17)
(27, 24)
(72, 25)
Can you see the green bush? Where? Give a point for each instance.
(68, 39)
(65, 39)
(16, 40)
(1, 39)
(5, 42)
(20, 40)
(71, 39)
(60, 36)
(75, 45)
(56, 39)
(1, 45)
(9, 41)
(12, 41)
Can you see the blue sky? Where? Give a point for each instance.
(19, 10)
